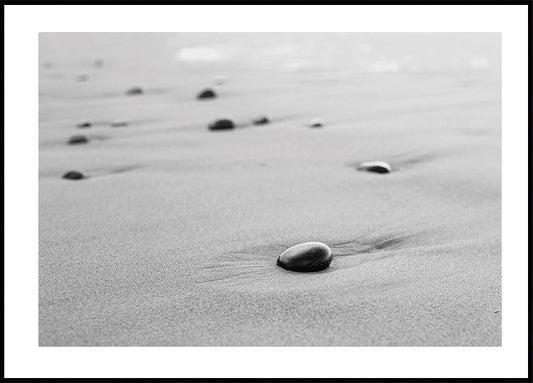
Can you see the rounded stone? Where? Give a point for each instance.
(206, 93)
(136, 90)
(84, 124)
(261, 120)
(78, 139)
(305, 257)
(375, 167)
(73, 175)
(222, 124)
(316, 123)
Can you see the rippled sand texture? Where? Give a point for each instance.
(172, 240)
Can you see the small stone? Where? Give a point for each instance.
(375, 167)
(261, 120)
(84, 125)
(119, 123)
(73, 175)
(136, 90)
(308, 256)
(316, 123)
(206, 93)
(224, 123)
(98, 63)
(82, 77)
(78, 139)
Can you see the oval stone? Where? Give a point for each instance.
(73, 175)
(206, 93)
(308, 256)
(136, 90)
(261, 120)
(316, 123)
(375, 167)
(78, 139)
(222, 124)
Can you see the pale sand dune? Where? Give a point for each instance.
(173, 238)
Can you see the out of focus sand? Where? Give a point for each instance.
(173, 239)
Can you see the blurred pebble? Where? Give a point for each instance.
(206, 93)
(308, 256)
(316, 123)
(224, 123)
(78, 139)
(134, 91)
(261, 120)
(84, 124)
(375, 167)
(73, 175)
(82, 77)
(98, 63)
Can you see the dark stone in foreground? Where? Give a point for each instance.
(375, 167)
(305, 257)
(73, 175)
(206, 93)
(136, 90)
(222, 124)
(84, 125)
(78, 139)
(261, 120)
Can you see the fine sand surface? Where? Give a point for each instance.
(173, 238)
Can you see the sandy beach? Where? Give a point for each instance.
(172, 238)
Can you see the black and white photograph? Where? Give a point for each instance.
(269, 189)
(273, 190)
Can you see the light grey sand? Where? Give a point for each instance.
(173, 239)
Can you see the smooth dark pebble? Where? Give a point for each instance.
(206, 93)
(84, 124)
(305, 257)
(134, 91)
(261, 120)
(73, 175)
(222, 124)
(78, 139)
(375, 167)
